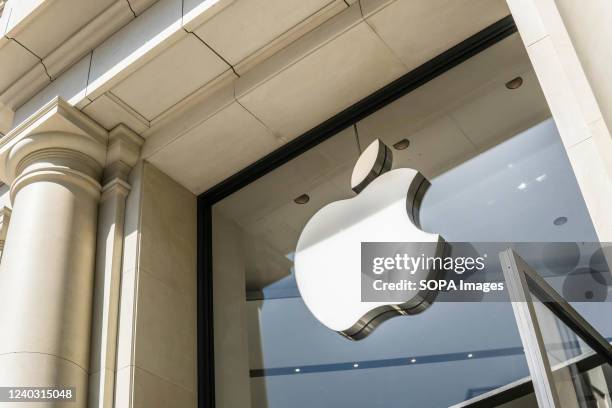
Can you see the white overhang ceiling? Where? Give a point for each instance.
(214, 85)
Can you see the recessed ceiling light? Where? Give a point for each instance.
(402, 144)
(413, 360)
(297, 370)
(355, 365)
(560, 221)
(303, 199)
(514, 83)
(470, 355)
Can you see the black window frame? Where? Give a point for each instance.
(412, 80)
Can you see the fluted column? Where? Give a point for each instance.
(54, 164)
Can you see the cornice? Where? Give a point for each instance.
(323, 15)
(25, 87)
(139, 6)
(87, 38)
(301, 48)
(203, 12)
(26, 20)
(67, 52)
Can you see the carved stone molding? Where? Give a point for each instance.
(48, 136)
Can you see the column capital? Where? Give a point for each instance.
(59, 143)
(123, 153)
(56, 127)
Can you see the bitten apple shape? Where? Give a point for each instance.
(328, 254)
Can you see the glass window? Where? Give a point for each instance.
(498, 172)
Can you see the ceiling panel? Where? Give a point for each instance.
(219, 147)
(170, 77)
(266, 212)
(71, 87)
(470, 100)
(418, 30)
(324, 82)
(433, 148)
(247, 25)
(499, 113)
(323, 164)
(281, 228)
(108, 113)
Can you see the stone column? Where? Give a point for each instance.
(5, 219)
(123, 153)
(54, 163)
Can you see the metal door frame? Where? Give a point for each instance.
(522, 281)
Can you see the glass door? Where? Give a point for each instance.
(568, 359)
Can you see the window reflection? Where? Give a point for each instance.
(506, 179)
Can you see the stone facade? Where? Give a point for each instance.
(116, 114)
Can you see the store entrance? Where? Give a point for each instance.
(499, 173)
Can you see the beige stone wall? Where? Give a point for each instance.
(589, 24)
(562, 70)
(230, 316)
(156, 358)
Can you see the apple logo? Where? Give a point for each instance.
(328, 254)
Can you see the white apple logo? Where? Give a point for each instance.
(328, 253)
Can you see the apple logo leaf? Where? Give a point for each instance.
(328, 254)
